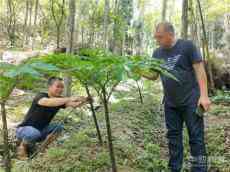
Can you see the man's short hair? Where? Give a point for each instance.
(168, 27)
(53, 79)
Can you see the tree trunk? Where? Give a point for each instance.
(58, 37)
(109, 133)
(164, 10)
(184, 20)
(58, 21)
(71, 28)
(35, 22)
(171, 10)
(82, 37)
(36, 13)
(68, 85)
(94, 115)
(29, 29)
(140, 93)
(105, 25)
(71, 25)
(140, 33)
(11, 25)
(7, 159)
(194, 25)
(25, 24)
(206, 48)
(115, 46)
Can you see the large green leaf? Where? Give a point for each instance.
(98, 67)
(11, 75)
(145, 65)
(20, 71)
(5, 66)
(43, 66)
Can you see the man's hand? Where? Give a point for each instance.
(76, 99)
(78, 102)
(154, 76)
(86, 99)
(74, 104)
(205, 102)
(150, 75)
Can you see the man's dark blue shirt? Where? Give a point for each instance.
(179, 61)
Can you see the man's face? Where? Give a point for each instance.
(56, 88)
(163, 38)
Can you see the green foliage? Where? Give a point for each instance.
(148, 66)
(56, 153)
(62, 61)
(22, 70)
(222, 97)
(98, 67)
(12, 75)
(82, 140)
(28, 83)
(57, 8)
(94, 67)
(6, 83)
(103, 70)
(6, 87)
(215, 9)
(150, 161)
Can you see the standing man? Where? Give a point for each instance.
(181, 99)
(36, 124)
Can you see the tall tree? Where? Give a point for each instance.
(205, 47)
(25, 23)
(184, 20)
(139, 27)
(35, 21)
(58, 14)
(194, 24)
(164, 10)
(70, 37)
(106, 23)
(92, 23)
(171, 10)
(115, 40)
(11, 21)
(126, 15)
(29, 29)
(105, 39)
(7, 159)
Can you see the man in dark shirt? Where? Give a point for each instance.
(36, 124)
(181, 99)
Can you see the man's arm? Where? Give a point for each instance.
(57, 101)
(153, 75)
(202, 81)
(79, 103)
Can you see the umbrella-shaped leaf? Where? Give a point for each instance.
(5, 66)
(22, 70)
(44, 66)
